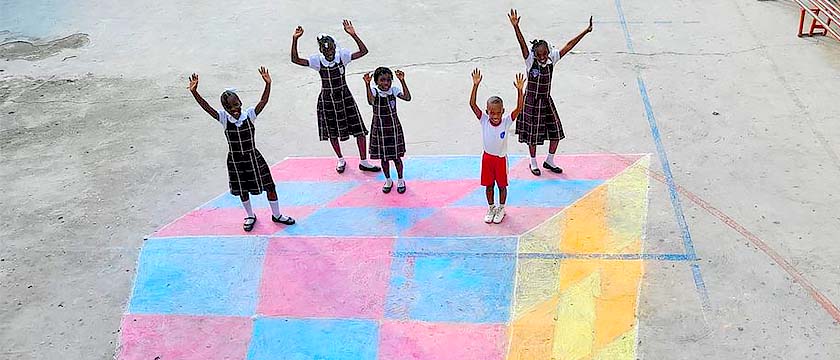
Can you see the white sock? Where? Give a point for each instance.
(534, 162)
(500, 206)
(248, 210)
(341, 161)
(400, 182)
(550, 159)
(365, 163)
(275, 208)
(388, 182)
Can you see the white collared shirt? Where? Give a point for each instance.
(225, 118)
(318, 60)
(553, 57)
(396, 90)
(495, 137)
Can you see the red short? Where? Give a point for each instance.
(494, 170)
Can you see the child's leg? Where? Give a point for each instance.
(361, 141)
(500, 210)
(532, 150)
(276, 216)
(399, 165)
(491, 208)
(386, 168)
(271, 194)
(502, 195)
(552, 149)
(246, 204)
(489, 191)
(336, 147)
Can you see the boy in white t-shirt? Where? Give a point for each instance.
(494, 130)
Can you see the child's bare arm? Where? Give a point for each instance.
(514, 20)
(367, 79)
(571, 44)
(406, 95)
(520, 96)
(266, 91)
(348, 27)
(295, 57)
(200, 100)
(476, 77)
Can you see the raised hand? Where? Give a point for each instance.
(476, 76)
(514, 17)
(367, 78)
(264, 73)
(400, 75)
(193, 82)
(520, 81)
(298, 32)
(348, 27)
(589, 29)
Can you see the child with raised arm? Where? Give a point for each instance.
(248, 172)
(494, 131)
(338, 114)
(539, 120)
(387, 142)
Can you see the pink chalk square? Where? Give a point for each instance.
(326, 277)
(184, 337)
(578, 167)
(228, 221)
(320, 169)
(419, 194)
(411, 340)
(469, 221)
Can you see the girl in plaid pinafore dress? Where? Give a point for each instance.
(248, 173)
(539, 121)
(338, 114)
(387, 142)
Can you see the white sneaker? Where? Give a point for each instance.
(500, 214)
(491, 214)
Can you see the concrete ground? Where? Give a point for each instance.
(101, 144)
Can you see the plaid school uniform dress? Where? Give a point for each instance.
(338, 115)
(387, 141)
(539, 121)
(247, 170)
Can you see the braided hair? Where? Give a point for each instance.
(381, 71)
(227, 95)
(536, 43)
(325, 41)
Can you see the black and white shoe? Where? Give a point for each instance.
(370, 168)
(285, 220)
(552, 168)
(248, 225)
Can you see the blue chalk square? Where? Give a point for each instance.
(358, 221)
(446, 283)
(307, 339)
(292, 193)
(199, 276)
(528, 193)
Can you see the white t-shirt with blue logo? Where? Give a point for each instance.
(495, 137)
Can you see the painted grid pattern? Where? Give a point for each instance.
(366, 275)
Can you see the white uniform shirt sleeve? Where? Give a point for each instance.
(554, 55)
(252, 113)
(508, 121)
(529, 61)
(223, 117)
(396, 89)
(346, 56)
(315, 62)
